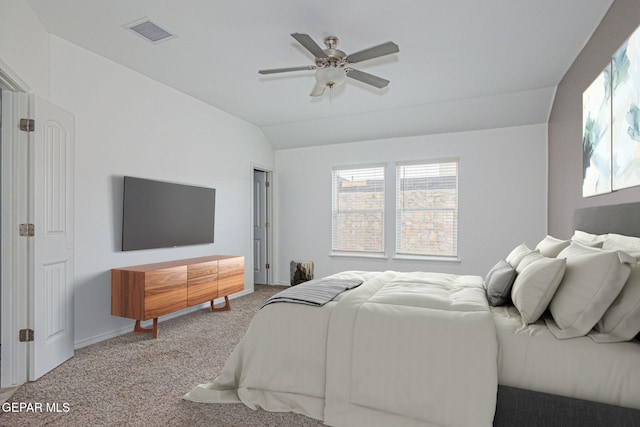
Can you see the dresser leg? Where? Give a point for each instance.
(137, 329)
(226, 307)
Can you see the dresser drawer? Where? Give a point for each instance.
(231, 276)
(169, 300)
(165, 279)
(202, 289)
(202, 269)
(165, 291)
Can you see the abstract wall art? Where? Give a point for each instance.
(611, 124)
(626, 113)
(596, 136)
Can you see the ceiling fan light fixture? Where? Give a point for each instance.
(331, 76)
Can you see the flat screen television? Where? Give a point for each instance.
(159, 214)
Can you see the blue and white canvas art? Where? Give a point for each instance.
(596, 136)
(626, 113)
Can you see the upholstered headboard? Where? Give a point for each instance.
(619, 219)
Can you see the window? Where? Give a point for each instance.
(427, 208)
(358, 210)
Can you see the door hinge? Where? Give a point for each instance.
(266, 184)
(267, 266)
(27, 125)
(26, 335)
(27, 230)
(266, 225)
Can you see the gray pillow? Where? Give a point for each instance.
(498, 283)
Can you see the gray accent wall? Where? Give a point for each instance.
(565, 121)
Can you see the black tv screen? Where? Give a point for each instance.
(160, 214)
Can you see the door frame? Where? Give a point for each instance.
(269, 218)
(14, 251)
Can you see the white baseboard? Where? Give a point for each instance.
(128, 329)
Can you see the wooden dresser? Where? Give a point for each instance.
(148, 291)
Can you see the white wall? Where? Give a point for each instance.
(127, 124)
(24, 45)
(502, 196)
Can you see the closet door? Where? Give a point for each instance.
(51, 209)
(260, 254)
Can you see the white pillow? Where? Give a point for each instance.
(618, 241)
(588, 239)
(592, 281)
(537, 280)
(516, 255)
(551, 247)
(621, 321)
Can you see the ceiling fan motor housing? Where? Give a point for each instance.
(335, 57)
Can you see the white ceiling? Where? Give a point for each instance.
(462, 65)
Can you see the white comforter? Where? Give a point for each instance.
(403, 349)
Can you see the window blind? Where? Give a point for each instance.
(427, 208)
(358, 209)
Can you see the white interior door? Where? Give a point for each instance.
(51, 209)
(260, 224)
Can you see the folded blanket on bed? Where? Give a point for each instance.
(314, 292)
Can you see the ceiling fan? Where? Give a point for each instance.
(334, 66)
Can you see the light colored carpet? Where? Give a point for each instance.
(133, 380)
(6, 393)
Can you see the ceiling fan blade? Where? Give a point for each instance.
(374, 52)
(306, 41)
(367, 78)
(285, 70)
(318, 90)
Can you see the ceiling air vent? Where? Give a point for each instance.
(149, 30)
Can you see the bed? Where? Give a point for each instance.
(427, 349)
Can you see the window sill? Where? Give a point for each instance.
(422, 258)
(425, 258)
(357, 255)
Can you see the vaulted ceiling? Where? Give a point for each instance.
(462, 65)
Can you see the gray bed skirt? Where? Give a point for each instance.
(524, 408)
